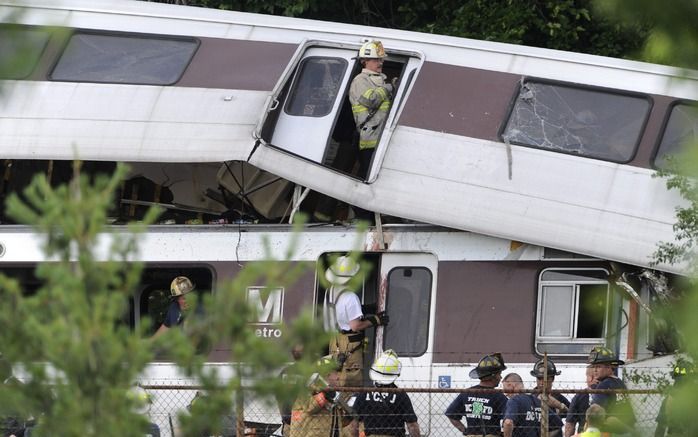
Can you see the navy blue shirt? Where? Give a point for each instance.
(525, 411)
(616, 405)
(153, 430)
(577, 411)
(174, 315)
(384, 413)
(481, 410)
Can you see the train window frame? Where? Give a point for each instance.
(426, 292)
(573, 278)
(297, 82)
(632, 152)
(173, 79)
(30, 66)
(139, 314)
(665, 126)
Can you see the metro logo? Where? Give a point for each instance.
(268, 302)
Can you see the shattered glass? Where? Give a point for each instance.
(124, 59)
(585, 122)
(682, 129)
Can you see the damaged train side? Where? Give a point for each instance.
(551, 148)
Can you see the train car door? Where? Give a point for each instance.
(404, 285)
(408, 294)
(309, 114)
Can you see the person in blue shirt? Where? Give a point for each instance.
(576, 414)
(620, 418)
(557, 402)
(522, 416)
(482, 411)
(179, 288)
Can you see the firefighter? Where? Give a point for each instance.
(670, 422)
(179, 288)
(370, 96)
(384, 414)
(620, 418)
(556, 401)
(344, 315)
(318, 414)
(483, 411)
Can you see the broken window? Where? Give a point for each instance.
(572, 310)
(681, 130)
(408, 300)
(316, 87)
(581, 121)
(133, 59)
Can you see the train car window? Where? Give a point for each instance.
(316, 87)
(20, 49)
(407, 304)
(681, 130)
(153, 299)
(133, 59)
(572, 310)
(581, 121)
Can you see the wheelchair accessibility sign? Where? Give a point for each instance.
(444, 381)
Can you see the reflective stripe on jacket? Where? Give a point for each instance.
(370, 100)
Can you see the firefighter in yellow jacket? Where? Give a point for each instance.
(318, 414)
(370, 96)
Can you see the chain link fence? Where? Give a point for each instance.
(262, 417)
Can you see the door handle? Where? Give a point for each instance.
(274, 105)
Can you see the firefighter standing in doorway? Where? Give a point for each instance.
(370, 96)
(343, 316)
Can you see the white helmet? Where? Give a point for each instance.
(180, 286)
(372, 50)
(386, 368)
(342, 270)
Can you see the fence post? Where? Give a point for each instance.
(544, 399)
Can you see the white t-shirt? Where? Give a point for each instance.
(348, 307)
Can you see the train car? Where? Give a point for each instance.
(546, 147)
(452, 297)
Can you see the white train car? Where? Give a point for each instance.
(551, 148)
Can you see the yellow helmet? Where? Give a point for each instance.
(372, 50)
(386, 368)
(141, 399)
(180, 286)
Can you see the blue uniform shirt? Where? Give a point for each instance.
(481, 411)
(173, 316)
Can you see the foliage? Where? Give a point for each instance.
(76, 356)
(673, 38)
(681, 175)
(572, 25)
(72, 321)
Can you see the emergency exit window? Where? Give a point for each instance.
(572, 310)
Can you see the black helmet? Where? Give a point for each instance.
(604, 355)
(489, 365)
(539, 369)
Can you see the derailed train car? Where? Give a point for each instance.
(550, 148)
